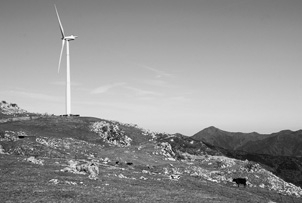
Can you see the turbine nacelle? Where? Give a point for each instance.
(69, 38)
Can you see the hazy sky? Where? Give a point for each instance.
(166, 65)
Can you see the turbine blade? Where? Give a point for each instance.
(63, 42)
(61, 27)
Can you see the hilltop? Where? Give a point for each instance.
(84, 159)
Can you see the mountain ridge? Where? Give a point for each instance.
(264, 143)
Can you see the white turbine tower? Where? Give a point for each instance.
(67, 39)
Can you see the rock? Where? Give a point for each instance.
(165, 149)
(10, 109)
(93, 170)
(2, 150)
(166, 171)
(143, 178)
(174, 177)
(72, 168)
(70, 182)
(106, 160)
(54, 181)
(72, 163)
(121, 176)
(34, 160)
(90, 168)
(145, 171)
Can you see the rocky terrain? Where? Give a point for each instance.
(81, 159)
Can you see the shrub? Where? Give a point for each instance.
(13, 105)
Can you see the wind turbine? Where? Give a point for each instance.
(67, 39)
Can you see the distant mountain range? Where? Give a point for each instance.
(279, 152)
(283, 143)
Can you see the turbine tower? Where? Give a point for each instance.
(67, 39)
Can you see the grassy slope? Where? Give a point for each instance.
(26, 182)
(22, 181)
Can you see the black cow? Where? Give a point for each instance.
(240, 181)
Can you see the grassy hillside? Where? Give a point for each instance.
(81, 159)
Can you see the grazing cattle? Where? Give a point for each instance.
(240, 181)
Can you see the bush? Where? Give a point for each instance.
(14, 105)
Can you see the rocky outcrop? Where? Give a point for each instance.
(165, 149)
(76, 167)
(34, 160)
(10, 109)
(111, 134)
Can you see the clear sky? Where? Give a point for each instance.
(166, 65)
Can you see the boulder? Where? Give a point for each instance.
(34, 160)
(90, 168)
